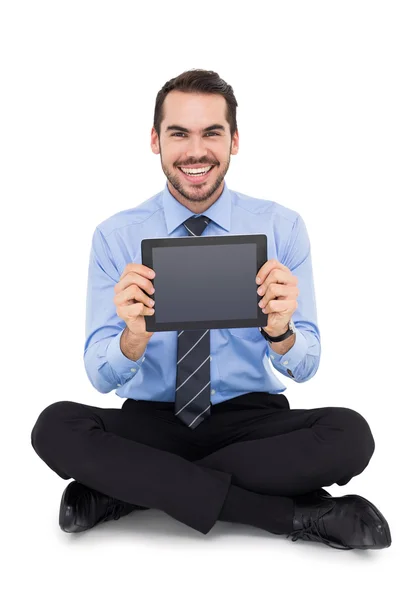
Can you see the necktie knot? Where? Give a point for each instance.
(196, 225)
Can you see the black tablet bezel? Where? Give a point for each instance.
(147, 245)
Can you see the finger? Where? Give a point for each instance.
(281, 291)
(134, 294)
(134, 311)
(144, 310)
(267, 267)
(131, 278)
(130, 267)
(284, 307)
(277, 276)
(143, 298)
(137, 268)
(277, 290)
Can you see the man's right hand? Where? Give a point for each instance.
(131, 301)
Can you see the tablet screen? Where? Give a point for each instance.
(205, 282)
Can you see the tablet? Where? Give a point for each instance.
(205, 282)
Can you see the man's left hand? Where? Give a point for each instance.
(278, 290)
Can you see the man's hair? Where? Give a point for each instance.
(201, 82)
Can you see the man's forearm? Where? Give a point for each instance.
(132, 346)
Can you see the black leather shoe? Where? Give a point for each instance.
(344, 523)
(81, 508)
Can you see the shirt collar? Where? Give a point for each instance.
(176, 214)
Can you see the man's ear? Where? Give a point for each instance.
(235, 143)
(154, 141)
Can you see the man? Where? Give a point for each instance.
(205, 433)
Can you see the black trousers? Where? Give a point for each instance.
(143, 454)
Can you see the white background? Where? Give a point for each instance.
(317, 85)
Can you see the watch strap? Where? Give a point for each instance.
(279, 338)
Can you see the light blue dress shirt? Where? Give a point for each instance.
(241, 359)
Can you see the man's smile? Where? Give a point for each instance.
(196, 175)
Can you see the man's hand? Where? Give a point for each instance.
(278, 288)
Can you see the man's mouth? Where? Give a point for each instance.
(196, 175)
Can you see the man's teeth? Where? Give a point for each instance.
(196, 171)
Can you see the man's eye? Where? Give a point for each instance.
(208, 133)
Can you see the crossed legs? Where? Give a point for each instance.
(258, 460)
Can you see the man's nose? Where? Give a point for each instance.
(196, 147)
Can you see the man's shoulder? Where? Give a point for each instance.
(258, 205)
(131, 216)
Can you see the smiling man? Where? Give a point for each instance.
(205, 432)
(195, 158)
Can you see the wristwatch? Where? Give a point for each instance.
(291, 330)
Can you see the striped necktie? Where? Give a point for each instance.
(192, 398)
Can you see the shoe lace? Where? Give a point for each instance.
(307, 533)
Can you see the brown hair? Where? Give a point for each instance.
(201, 82)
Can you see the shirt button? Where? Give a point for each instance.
(144, 358)
(272, 356)
(285, 362)
(213, 391)
(118, 385)
(133, 370)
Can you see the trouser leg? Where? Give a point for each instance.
(259, 478)
(282, 454)
(72, 440)
(295, 451)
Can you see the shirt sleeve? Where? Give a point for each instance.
(301, 362)
(105, 364)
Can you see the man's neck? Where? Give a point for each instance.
(196, 206)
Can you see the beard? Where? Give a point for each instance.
(202, 191)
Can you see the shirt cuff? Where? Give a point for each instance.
(123, 366)
(293, 357)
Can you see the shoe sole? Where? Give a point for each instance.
(381, 517)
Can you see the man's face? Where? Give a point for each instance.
(189, 139)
